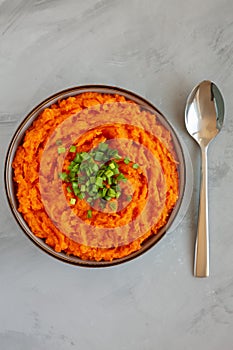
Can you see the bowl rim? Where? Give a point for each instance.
(8, 180)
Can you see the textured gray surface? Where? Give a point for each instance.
(159, 49)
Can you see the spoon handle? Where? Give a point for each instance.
(201, 263)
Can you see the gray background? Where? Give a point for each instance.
(160, 50)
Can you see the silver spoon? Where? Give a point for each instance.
(204, 114)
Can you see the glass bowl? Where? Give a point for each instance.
(17, 140)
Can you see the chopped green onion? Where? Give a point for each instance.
(91, 193)
(83, 166)
(135, 166)
(77, 192)
(88, 171)
(112, 165)
(78, 158)
(69, 189)
(98, 194)
(75, 168)
(114, 180)
(94, 188)
(101, 172)
(63, 176)
(61, 150)
(116, 171)
(111, 193)
(103, 147)
(83, 188)
(104, 191)
(95, 167)
(99, 181)
(72, 201)
(89, 214)
(74, 185)
(75, 188)
(109, 173)
(85, 155)
(81, 195)
(127, 160)
(117, 156)
(128, 198)
(114, 154)
(92, 179)
(81, 179)
(72, 173)
(120, 177)
(59, 142)
(99, 156)
(113, 205)
(72, 164)
(73, 149)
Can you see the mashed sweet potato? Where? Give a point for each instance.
(85, 121)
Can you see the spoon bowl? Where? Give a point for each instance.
(204, 115)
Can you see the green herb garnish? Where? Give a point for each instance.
(81, 195)
(127, 160)
(99, 156)
(72, 201)
(89, 214)
(103, 147)
(135, 166)
(99, 182)
(95, 175)
(61, 150)
(63, 176)
(73, 149)
(69, 189)
(113, 205)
